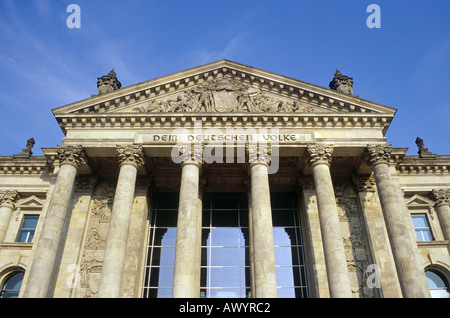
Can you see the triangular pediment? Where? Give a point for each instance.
(224, 88)
(419, 202)
(30, 202)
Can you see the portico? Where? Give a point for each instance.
(226, 171)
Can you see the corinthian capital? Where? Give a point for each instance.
(8, 197)
(74, 155)
(441, 196)
(130, 154)
(259, 153)
(378, 154)
(319, 154)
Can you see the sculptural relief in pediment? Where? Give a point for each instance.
(225, 95)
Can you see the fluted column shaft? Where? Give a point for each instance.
(7, 201)
(130, 158)
(41, 269)
(188, 238)
(378, 156)
(264, 280)
(442, 198)
(319, 158)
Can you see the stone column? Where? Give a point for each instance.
(7, 201)
(201, 193)
(37, 284)
(442, 198)
(378, 157)
(130, 158)
(319, 158)
(264, 279)
(188, 239)
(248, 190)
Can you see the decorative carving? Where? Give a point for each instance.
(342, 83)
(74, 155)
(378, 154)
(95, 241)
(259, 153)
(441, 196)
(26, 152)
(423, 152)
(108, 83)
(9, 197)
(364, 183)
(131, 154)
(353, 236)
(224, 95)
(319, 154)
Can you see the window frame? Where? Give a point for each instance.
(6, 279)
(423, 229)
(29, 231)
(442, 277)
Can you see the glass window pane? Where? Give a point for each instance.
(427, 235)
(11, 287)
(23, 237)
(30, 221)
(283, 236)
(281, 200)
(225, 201)
(434, 280)
(223, 236)
(225, 218)
(226, 276)
(285, 276)
(419, 220)
(166, 218)
(286, 255)
(167, 201)
(163, 256)
(283, 218)
(161, 277)
(227, 256)
(227, 293)
(165, 237)
(286, 292)
(164, 292)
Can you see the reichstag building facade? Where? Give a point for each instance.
(224, 181)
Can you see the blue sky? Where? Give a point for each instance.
(404, 64)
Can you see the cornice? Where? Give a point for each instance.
(414, 165)
(170, 120)
(33, 166)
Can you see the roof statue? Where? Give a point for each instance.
(108, 83)
(26, 152)
(342, 83)
(423, 152)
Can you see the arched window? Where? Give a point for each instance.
(11, 285)
(438, 284)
